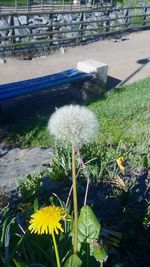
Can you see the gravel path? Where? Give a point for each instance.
(127, 60)
(17, 163)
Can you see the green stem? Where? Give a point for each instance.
(56, 250)
(75, 202)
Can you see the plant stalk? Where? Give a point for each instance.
(86, 192)
(69, 195)
(75, 202)
(56, 250)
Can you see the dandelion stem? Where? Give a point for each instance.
(56, 250)
(75, 202)
(86, 192)
(69, 195)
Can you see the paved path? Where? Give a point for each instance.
(127, 60)
(17, 163)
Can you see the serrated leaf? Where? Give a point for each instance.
(88, 225)
(73, 261)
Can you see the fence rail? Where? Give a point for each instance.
(56, 5)
(89, 25)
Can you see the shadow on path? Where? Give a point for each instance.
(143, 62)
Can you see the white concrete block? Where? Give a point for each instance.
(100, 69)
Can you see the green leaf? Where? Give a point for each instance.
(88, 229)
(20, 263)
(7, 238)
(36, 265)
(100, 254)
(17, 182)
(73, 261)
(3, 230)
(88, 226)
(36, 204)
(17, 246)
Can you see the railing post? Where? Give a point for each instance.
(63, 4)
(51, 29)
(81, 27)
(127, 18)
(145, 16)
(16, 5)
(93, 4)
(71, 4)
(42, 5)
(107, 22)
(28, 5)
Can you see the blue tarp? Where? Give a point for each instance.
(15, 89)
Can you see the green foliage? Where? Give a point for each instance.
(30, 133)
(30, 185)
(123, 115)
(100, 253)
(12, 2)
(124, 132)
(20, 263)
(88, 230)
(60, 163)
(73, 261)
(88, 226)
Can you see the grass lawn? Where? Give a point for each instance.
(123, 115)
(119, 200)
(12, 2)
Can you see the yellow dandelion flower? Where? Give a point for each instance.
(47, 220)
(121, 163)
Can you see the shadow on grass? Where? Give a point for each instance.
(30, 112)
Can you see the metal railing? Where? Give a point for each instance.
(18, 6)
(56, 33)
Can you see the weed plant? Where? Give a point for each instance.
(118, 199)
(124, 118)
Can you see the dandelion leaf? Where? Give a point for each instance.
(100, 254)
(20, 263)
(88, 225)
(73, 261)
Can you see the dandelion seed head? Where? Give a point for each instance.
(73, 124)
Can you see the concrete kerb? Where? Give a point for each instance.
(100, 71)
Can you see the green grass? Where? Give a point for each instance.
(123, 115)
(12, 2)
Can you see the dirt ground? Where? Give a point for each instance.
(128, 60)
